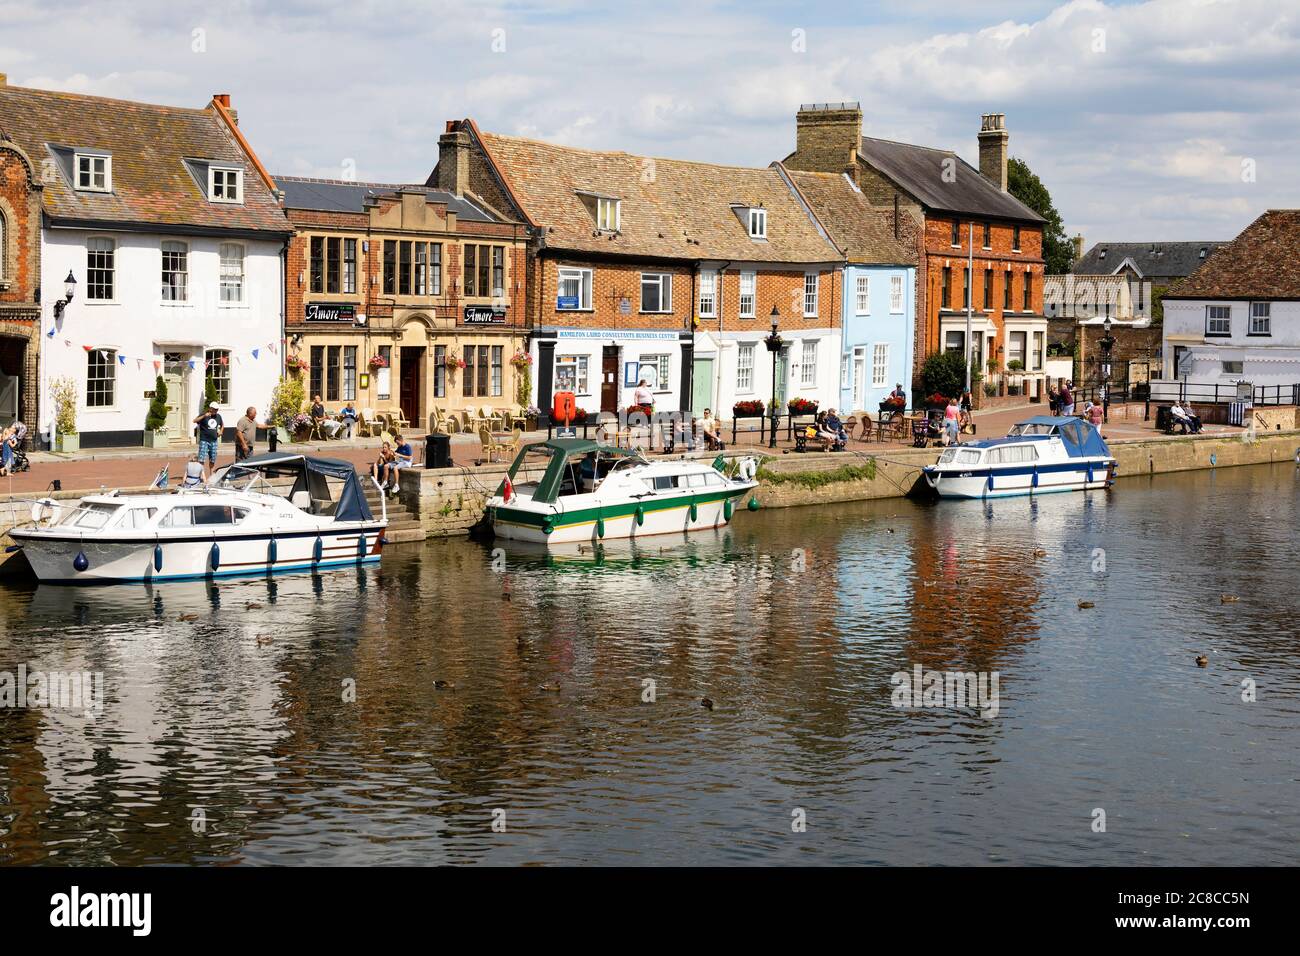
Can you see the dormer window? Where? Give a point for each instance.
(225, 184)
(607, 214)
(758, 224)
(94, 172)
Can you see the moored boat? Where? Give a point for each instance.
(586, 491)
(268, 513)
(1039, 455)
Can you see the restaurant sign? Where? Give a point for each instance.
(485, 315)
(331, 312)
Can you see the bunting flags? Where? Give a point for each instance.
(224, 360)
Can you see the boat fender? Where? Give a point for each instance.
(727, 509)
(600, 527)
(988, 485)
(1089, 474)
(747, 469)
(694, 511)
(157, 557)
(272, 550)
(361, 547)
(80, 562)
(753, 504)
(640, 515)
(215, 556)
(317, 550)
(1034, 480)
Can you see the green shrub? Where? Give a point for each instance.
(156, 418)
(63, 391)
(286, 401)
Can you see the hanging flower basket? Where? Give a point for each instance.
(453, 363)
(295, 363)
(378, 361)
(521, 360)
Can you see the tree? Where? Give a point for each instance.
(1029, 189)
(944, 373)
(209, 392)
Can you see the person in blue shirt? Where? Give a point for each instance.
(348, 416)
(403, 457)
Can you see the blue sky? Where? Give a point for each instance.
(1164, 120)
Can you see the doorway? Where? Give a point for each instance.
(859, 378)
(782, 374)
(411, 375)
(702, 384)
(175, 374)
(13, 356)
(609, 379)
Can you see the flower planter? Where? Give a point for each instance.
(156, 439)
(67, 443)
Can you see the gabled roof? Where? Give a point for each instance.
(150, 145)
(1261, 263)
(333, 195)
(1148, 258)
(920, 171)
(861, 232)
(669, 208)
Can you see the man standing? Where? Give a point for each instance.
(245, 434)
(1067, 398)
(210, 429)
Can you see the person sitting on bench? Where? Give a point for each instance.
(711, 429)
(1191, 423)
(830, 430)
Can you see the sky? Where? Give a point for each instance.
(1162, 120)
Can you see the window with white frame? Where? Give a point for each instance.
(571, 374)
(747, 295)
(758, 224)
(810, 295)
(217, 363)
(808, 364)
(862, 294)
(101, 254)
(895, 293)
(1218, 320)
(1261, 322)
(708, 295)
(656, 292)
(745, 367)
(844, 370)
(232, 273)
(660, 365)
(94, 172)
(101, 377)
(573, 289)
(880, 365)
(607, 214)
(175, 272)
(225, 184)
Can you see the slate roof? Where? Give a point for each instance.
(919, 170)
(1261, 263)
(333, 195)
(863, 233)
(1151, 258)
(152, 183)
(669, 208)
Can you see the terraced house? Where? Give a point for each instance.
(20, 274)
(659, 270)
(958, 214)
(403, 298)
(168, 224)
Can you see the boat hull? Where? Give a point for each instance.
(1012, 481)
(658, 515)
(127, 559)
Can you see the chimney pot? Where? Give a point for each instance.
(453, 162)
(4, 79)
(222, 98)
(993, 149)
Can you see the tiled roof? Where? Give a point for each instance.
(1261, 263)
(862, 232)
(332, 195)
(669, 208)
(1151, 258)
(920, 171)
(152, 183)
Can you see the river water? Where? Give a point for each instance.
(301, 720)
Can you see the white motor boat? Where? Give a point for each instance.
(268, 513)
(586, 491)
(1039, 455)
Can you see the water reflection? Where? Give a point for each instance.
(381, 715)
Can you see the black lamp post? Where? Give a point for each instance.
(774, 343)
(1107, 343)
(69, 290)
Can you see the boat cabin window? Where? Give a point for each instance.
(91, 517)
(136, 518)
(960, 456)
(665, 482)
(1013, 454)
(189, 516)
(1031, 428)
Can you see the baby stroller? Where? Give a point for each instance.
(20, 462)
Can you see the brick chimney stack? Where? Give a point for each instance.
(1077, 242)
(993, 149)
(453, 161)
(4, 79)
(827, 138)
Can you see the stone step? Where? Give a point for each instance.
(404, 535)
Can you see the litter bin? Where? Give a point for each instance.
(437, 450)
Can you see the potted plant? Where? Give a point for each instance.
(64, 393)
(299, 426)
(801, 406)
(286, 402)
(1015, 367)
(752, 408)
(155, 420)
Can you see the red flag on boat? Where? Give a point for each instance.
(508, 491)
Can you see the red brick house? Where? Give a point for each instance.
(20, 271)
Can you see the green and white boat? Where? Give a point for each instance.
(571, 490)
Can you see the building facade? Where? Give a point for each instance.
(403, 298)
(20, 270)
(169, 225)
(961, 217)
(1236, 320)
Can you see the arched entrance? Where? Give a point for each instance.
(17, 378)
(412, 360)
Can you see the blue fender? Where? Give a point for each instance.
(80, 562)
(317, 550)
(157, 557)
(214, 556)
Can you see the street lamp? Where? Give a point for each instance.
(1107, 343)
(69, 290)
(773, 343)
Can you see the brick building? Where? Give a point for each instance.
(957, 214)
(657, 269)
(387, 283)
(20, 270)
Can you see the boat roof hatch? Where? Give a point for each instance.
(309, 475)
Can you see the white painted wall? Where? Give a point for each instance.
(825, 388)
(140, 326)
(1266, 360)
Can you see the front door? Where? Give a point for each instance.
(859, 378)
(176, 377)
(702, 385)
(782, 374)
(609, 385)
(408, 395)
